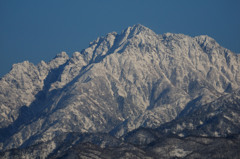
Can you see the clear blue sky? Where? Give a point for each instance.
(37, 30)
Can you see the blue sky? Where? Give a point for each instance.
(36, 30)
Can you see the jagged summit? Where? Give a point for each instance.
(136, 29)
(140, 27)
(62, 55)
(119, 83)
(206, 41)
(115, 39)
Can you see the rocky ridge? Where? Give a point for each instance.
(119, 83)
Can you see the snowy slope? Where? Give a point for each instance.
(102, 146)
(216, 119)
(117, 84)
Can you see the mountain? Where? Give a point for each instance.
(217, 119)
(119, 83)
(75, 145)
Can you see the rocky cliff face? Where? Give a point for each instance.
(119, 83)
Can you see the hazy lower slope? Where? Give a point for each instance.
(220, 118)
(119, 83)
(102, 146)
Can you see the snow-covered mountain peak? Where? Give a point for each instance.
(19, 69)
(206, 42)
(21, 65)
(76, 54)
(42, 64)
(113, 42)
(204, 38)
(136, 30)
(62, 55)
(119, 83)
(139, 28)
(174, 36)
(59, 59)
(107, 37)
(77, 57)
(112, 34)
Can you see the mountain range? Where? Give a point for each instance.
(136, 94)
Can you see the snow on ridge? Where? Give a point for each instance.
(120, 82)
